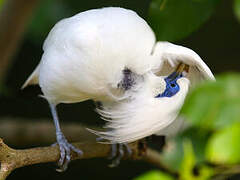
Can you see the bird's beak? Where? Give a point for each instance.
(178, 72)
(182, 67)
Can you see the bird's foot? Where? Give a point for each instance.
(117, 153)
(65, 152)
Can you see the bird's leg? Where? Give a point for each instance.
(117, 152)
(64, 146)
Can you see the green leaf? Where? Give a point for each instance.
(198, 140)
(173, 20)
(186, 152)
(214, 105)
(173, 153)
(236, 9)
(188, 161)
(205, 172)
(224, 147)
(154, 175)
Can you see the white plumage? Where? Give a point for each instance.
(85, 57)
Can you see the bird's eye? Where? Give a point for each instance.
(173, 85)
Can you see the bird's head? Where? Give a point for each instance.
(172, 86)
(153, 107)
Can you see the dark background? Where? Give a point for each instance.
(217, 42)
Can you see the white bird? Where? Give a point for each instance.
(111, 55)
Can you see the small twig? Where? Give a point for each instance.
(224, 171)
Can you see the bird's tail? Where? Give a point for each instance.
(32, 79)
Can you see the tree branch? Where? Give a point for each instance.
(30, 132)
(11, 159)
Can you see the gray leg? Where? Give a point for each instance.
(64, 146)
(118, 151)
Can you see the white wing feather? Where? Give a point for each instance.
(167, 56)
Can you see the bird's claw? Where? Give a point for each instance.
(65, 152)
(117, 153)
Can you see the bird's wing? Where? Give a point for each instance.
(171, 55)
(32, 79)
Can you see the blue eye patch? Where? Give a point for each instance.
(172, 86)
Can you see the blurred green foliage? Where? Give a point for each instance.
(188, 161)
(236, 8)
(154, 175)
(223, 146)
(188, 164)
(215, 105)
(172, 155)
(1, 3)
(172, 20)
